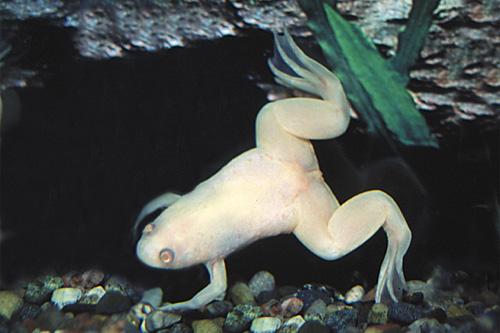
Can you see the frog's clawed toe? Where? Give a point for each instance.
(391, 281)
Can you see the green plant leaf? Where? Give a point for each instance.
(381, 82)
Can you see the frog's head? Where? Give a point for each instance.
(165, 243)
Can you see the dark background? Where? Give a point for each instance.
(101, 138)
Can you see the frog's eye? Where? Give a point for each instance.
(166, 256)
(148, 228)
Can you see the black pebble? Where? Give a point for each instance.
(414, 298)
(404, 313)
(438, 314)
(218, 308)
(340, 320)
(113, 302)
(267, 295)
(79, 308)
(313, 327)
(28, 311)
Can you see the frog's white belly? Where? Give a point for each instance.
(250, 198)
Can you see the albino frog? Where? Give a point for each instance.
(276, 188)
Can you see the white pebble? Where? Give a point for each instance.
(265, 325)
(294, 323)
(355, 294)
(65, 296)
(93, 295)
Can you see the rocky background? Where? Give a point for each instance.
(455, 81)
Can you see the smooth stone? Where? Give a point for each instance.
(120, 284)
(79, 308)
(457, 311)
(378, 314)
(177, 328)
(438, 314)
(240, 293)
(291, 306)
(260, 282)
(93, 296)
(91, 278)
(159, 319)
(50, 318)
(292, 325)
(240, 317)
(313, 327)
(404, 313)
(65, 296)
(39, 291)
(266, 296)
(355, 294)
(414, 298)
(316, 311)
(28, 311)
(206, 326)
(308, 296)
(426, 325)
(475, 307)
(383, 328)
(218, 308)
(265, 325)
(341, 319)
(10, 302)
(52, 282)
(113, 302)
(153, 297)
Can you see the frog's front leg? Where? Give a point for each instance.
(216, 289)
(350, 225)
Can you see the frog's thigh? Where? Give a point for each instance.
(348, 227)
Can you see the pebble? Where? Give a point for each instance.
(113, 302)
(266, 296)
(206, 326)
(93, 295)
(265, 325)
(178, 328)
(291, 306)
(378, 314)
(383, 328)
(218, 308)
(117, 283)
(10, 302)
(28, 311)
(91, 278)
(454, 311)
(153, 297)
(404, 313)
(240, 293)
(355, 294)
(292, 325)
(240, 317)
(308, 296)
(475, 307)
(158, 320)
(427, 325)
(261, 282)
(341, 318)
(316, 311)
(50, 318)
(65, 296)
(414, 298)
(39, 291)
(313, 327)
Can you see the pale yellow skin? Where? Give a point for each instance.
(276, 188)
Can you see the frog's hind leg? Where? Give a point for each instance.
(284, 127)
(349, 226)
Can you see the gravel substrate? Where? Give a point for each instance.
(93, 302)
